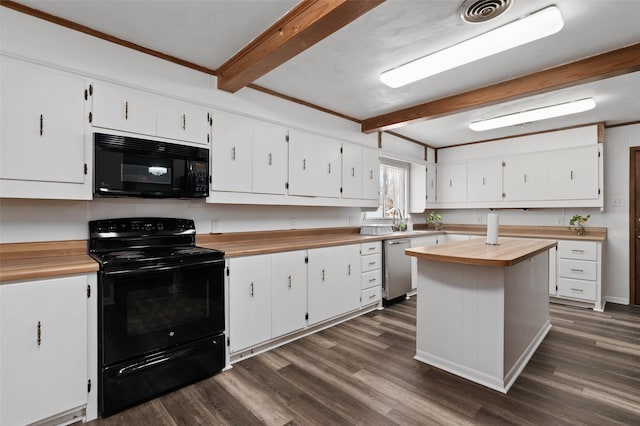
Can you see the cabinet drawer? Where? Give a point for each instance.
(578, 269)
(581, 250)
(371, 295)
(371, 248)
(372, 278)
(577, 289)
(371, 262)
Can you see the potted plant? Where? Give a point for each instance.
(435, 220)
(577, 223)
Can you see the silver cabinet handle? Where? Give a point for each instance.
(577, 289)
(39, 333)
(233, 153)
(372, 296)
(184, 121)
(372, 248)
(525, 178)
(577, 251)
(126, 110)
(353, 172)
(251, 286)
(323, 275)
(581, 271)
(450, 183)
(349, 270)
(304, 164)
(289, 278)
(41, 124)
(329, 168)
(370, 174)
(372, 263)
(393, 243)
(270, 159)
(372, 280)
(484, 181)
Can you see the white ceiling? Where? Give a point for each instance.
(341, 72)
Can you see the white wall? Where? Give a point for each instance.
(617, 142)
(45, 220)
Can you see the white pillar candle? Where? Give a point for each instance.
(492, 229)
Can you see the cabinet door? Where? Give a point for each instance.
(231, 153)
(314, 165)
(43, 335)
(524, 177)
(452, 183)
(249, 301)
(348, 263)
(42, 124)
(183, 121)
(431, 183)
(288, 292)
(484, 180)
(418, 188)
(122, 108)
(351, 171)
(553, 271)
(573, 174)
(370, 174)
(269, 158)
(419, 242)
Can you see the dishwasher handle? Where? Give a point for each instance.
(396, 242)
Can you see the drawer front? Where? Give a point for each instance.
(371, 248)
(577, 289)
(372, 279)
(371, 262)
(578, 269)
(371, 295)
(580, 250)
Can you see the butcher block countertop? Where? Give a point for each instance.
(22, 261)
(477, 252)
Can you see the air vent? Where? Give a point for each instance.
(476, 11)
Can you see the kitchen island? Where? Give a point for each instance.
(482, 310)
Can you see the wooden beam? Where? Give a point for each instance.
(606, 65)
(306, 24)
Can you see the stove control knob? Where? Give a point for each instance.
(148, 226)
(160, 226)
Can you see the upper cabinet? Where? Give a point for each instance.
(418, 188)
(43, 151)
(315, 165)
(232, 153)
(525, 177)
(370, 174)
(452, 183)
(137, 111)
(484, 180)
(269, 158)
(351, 171)
(431, 184)
(572, 173)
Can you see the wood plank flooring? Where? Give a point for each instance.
(362, 372)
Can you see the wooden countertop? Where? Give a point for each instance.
(22, 261)
(477, 252)
(546, 232)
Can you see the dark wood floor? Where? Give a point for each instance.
(587, 371)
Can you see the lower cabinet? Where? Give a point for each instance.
(371, 282)
(288, 292)
(420, 242)
(577, 276)
(43, 340)
(334, 281)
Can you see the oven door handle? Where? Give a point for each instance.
(147, 269)
(153, 362)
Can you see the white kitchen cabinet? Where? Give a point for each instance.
(371, 269)
(315, 165)
(573, 174)
(370, 174)
(578, 278)
(288, 292)
(183, 121)
(42, 144)
(334, 281)
(452, 183)
(431, 185)
(123, 108)
(43, 339)
(249, 301)
(232, 153)
(484, 180)
(269, 151)
(418, 188)
(525, 177)
(351, 171)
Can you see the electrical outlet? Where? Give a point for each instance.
(617, 202)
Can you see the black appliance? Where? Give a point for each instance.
(160, 308)
(131, 167)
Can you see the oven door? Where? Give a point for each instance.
(143, 311)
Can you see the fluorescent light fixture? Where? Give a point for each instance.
(532, 27)
(537, 114)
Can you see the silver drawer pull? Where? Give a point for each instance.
(580, 271)
(578, 289)
(371, 248)
(39, 333)
(577, 251)
(372, 263)
(372, 296)
(373, 280)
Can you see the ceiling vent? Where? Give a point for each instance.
(477, 11)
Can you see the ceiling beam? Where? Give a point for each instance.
(306, 24)
(606, 65)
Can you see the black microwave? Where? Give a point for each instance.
(131, 167)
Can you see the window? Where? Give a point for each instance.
(393, 189)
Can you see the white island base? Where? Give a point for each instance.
(482, 322)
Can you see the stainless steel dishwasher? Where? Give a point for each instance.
(397, 269)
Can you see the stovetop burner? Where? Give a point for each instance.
(146, 241)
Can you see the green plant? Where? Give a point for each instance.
(576, 223)
(434, 219)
